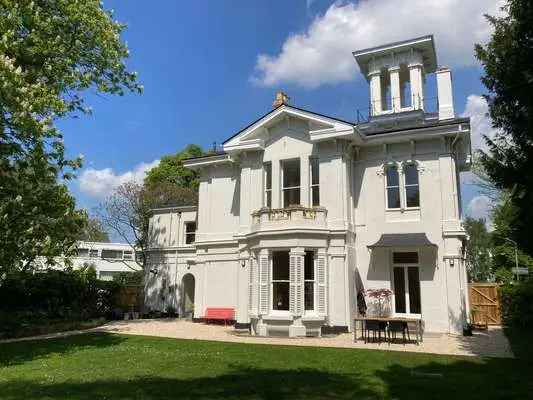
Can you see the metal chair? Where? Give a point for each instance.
(395, 327)
(372, 325)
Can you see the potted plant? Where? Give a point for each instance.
(381, 298)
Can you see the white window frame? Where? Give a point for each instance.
(311, 185)
(272, 281)
(403, 194)
(266, 191)
(405, 267)
(315, 299)
(186, 234)
(283, 188)
(399, 186)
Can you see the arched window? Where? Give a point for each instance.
(412, 189)
(393, 187)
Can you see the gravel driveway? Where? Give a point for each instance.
(492, 343)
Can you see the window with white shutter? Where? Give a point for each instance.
(264, 289)
(321, 280)
(253, 287)
(281, 293)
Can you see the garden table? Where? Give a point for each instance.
(413, 320)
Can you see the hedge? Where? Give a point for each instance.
(37, 298)
(517, 304)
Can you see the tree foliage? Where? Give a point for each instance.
(94, 231)
(51, 52)
(506, 59)
(127, 210)
(37, 214)
(171, 170)
(478, 257)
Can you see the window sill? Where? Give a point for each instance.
(278, 316)
(313, 317)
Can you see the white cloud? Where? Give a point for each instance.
(99, 183)
(322, 54)
(480, 207)
(480, 122)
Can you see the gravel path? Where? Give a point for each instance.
(492, 343)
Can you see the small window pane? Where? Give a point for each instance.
(291, 173)
(314, 171)
(411, 174)
(93, 253)
(315, 190)
(280, 296)
(291, 197)
(405, 257)
(392, 176)
(309, 265)
(414, 290)
(399, 290)
(268, 199)
(268, 176)
(393, 197)
(190, 232)
(112, 254)
(128, 255)
(280, 266)
(412, 196)
(309, 295)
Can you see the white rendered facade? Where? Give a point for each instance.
(288, 214)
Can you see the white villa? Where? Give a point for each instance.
(302, 212)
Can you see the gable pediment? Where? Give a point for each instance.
(287, 119)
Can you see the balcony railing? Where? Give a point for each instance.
(391, 106)
(294, 217)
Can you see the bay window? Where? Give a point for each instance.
(291, 182)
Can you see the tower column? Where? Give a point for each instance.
(375, 93)
(417, 86)
(395, 90)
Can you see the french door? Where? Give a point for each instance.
(406, 287)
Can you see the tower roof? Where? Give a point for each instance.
(425, 45)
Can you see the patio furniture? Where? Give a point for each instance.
(395, 327)
(374, 326)
(411, 324)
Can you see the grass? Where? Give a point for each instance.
(45, 326)
(106, 366)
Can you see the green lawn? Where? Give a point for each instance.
(105, 366)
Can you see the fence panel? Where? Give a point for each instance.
(485, 303)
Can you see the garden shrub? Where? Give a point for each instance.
(35, 299)
(517, 304)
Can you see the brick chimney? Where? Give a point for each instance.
(281, 98)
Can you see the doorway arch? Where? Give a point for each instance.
(187, 298)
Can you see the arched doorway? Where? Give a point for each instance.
(187, 298)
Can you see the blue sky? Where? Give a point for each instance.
(211, 67)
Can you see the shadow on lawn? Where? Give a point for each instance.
(462, 378)
(21, 352)
(241, 383)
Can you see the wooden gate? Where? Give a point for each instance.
(485, 303)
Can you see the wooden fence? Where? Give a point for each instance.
(485, 303)
(130, 298)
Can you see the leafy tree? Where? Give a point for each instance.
(504, 218)
(509, 80)
(37, 215)
(94, 231)
(478, 249)
(171, 170)
(51, 51)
